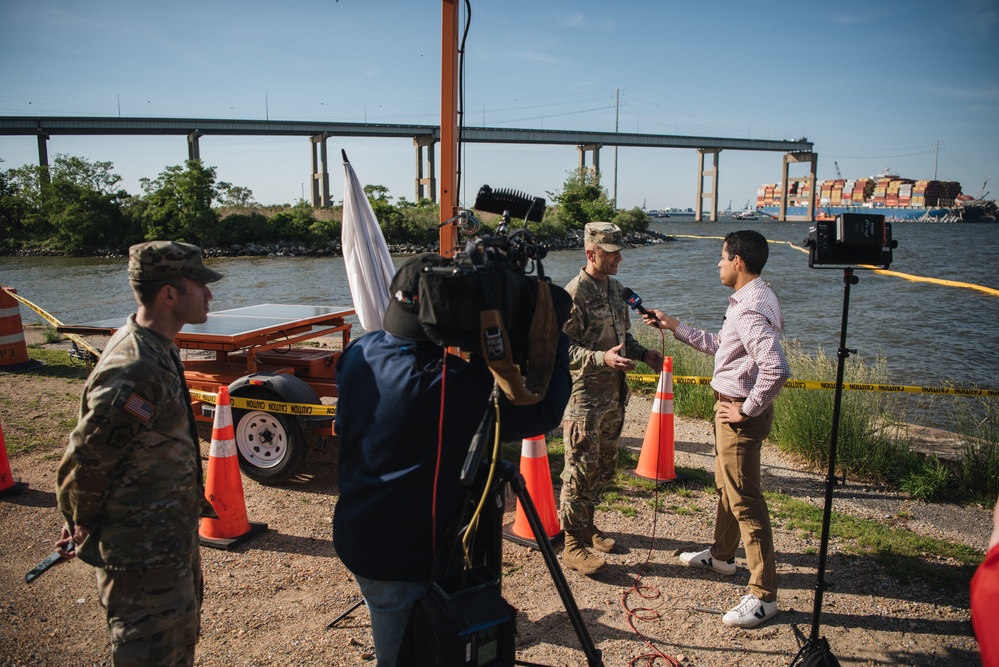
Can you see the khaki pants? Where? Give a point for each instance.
(742, 510)
(154, 614)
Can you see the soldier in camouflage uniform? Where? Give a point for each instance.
(130, 483)
(601, 350)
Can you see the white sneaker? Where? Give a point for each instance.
(706, 560)
(750, 612)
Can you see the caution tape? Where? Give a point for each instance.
(267, 405)
(852, 386)
(991, 291)
(56, 323)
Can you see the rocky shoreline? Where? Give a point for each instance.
(572, 241)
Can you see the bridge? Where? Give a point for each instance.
(424, 138)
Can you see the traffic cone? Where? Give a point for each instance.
(656, 459)
(224, 485)
(13, 348)
(9, 485)
(538, 480)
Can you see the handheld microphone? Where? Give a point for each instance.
(635, 302)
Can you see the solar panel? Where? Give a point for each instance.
(236, 322)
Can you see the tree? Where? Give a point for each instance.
(582, 200)
(179, 203)
(236, 196)
(72, 207)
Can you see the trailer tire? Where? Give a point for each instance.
(272, 448)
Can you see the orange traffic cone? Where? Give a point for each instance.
(9, 485)
(224, 485)
(13, 348)
(656, 459)
(538, 480)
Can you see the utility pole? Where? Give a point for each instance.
(617, 109)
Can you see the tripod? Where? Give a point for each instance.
(511, 474)
(815, 651)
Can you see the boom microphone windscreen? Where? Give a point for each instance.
(517, 203)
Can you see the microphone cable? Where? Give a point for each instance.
(644, 591)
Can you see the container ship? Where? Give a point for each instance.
(898, 199)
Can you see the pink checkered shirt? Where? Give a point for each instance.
(749, 359)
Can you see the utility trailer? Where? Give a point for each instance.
(253, 354)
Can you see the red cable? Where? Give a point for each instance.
(648, 592)
(437, 466)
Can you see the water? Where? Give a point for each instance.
(929, 334)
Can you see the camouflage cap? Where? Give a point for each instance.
(607, 235)
(168, 260)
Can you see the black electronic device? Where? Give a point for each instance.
(850, 239)
(512, 202)
(464, 622)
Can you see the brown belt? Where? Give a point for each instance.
(728, 399)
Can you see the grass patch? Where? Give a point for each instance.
(904, 554)
(58, 364)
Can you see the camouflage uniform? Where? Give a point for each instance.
(132, 477)
(595, 414)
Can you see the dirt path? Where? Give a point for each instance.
(268, 603)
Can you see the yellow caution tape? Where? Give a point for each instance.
(56, 323)
(267, 405)
(852, 386)
(991, 291)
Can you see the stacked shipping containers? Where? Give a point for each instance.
(887, 192)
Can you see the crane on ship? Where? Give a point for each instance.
(838, 174)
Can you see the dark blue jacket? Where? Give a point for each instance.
(388, 413)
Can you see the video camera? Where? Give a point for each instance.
(852, 238)
(492, 272)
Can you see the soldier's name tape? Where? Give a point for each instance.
(267, 405)
(854, 386)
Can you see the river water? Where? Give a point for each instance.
(929, 334)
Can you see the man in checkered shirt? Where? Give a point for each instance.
(750, 370)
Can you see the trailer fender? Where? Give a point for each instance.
(288, 388)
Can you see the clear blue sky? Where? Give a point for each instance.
(871, 84)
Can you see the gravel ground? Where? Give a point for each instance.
(269, 601)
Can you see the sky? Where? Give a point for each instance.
(911, 85)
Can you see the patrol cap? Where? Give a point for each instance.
(607, 235)
(168, 260)
(402, 316)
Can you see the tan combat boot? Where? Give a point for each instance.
(578, 558)
(592, 536)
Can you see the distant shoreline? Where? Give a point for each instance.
(573, 241)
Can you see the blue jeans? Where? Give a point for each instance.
(390, 604)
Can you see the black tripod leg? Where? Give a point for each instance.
(512, 475)
(345, 614)
(815, 643)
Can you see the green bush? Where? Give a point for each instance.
(978, 426)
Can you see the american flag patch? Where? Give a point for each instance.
(139, 408)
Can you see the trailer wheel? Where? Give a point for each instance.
(272, 448)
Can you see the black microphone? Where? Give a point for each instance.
(514, 202)
(635, 303)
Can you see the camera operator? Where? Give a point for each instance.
(601, 350)
(750, 370)
(388, 520)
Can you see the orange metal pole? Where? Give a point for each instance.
(449, 126)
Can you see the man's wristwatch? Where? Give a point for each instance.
(744, 415)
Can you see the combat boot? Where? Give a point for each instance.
(592, 536)
(576, 556)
